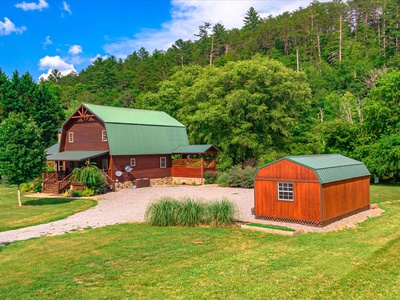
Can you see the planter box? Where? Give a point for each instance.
(270, 230)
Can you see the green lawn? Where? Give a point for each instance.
(35, 210)
(136, 261)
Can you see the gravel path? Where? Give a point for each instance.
(129, 205)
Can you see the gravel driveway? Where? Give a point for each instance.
(129, 205)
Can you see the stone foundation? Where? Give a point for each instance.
(186, 181)
(163, 181)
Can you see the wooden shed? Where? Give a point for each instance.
(311, 189)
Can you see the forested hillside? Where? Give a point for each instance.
(321, 79)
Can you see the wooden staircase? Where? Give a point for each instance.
(56, 184)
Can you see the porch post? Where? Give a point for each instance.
(202, 170)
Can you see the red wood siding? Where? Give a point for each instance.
(345, 196)
(147, 166)
(189, 172)
(87, 135)
(307, 192)
(286, 170)
(306, 204)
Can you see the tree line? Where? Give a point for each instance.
(321, 79)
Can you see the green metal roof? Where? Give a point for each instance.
(75, 155)
(331, 167)
(193, 149)
(53, 149)
(121, 115)
(128, 139)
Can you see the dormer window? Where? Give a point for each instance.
(71, 137)
(104, 136)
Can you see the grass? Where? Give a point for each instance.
(138, 261)
(35, 210)
(270, 226)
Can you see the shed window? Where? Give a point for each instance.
(163, 162)
(103, 136)
(71, 137)
(285, 191)
(133, 162)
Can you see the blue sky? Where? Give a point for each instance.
(37, 36)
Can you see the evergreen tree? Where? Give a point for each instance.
(252, 19)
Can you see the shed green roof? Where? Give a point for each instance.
(331, 167)
(132, 116)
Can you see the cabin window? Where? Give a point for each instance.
(285, 191)
(133, 162)
(163, 162)
(103, 136)
(104, 164)
(71, 137)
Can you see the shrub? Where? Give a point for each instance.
(239, 177)
(190, 213)
(223, 179)
(88, 192)
(163, 212)
(91, 177)
(220, 213)
(26, 187)
(77, 193)
(210, 177)
(37, 185)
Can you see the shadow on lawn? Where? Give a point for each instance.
(48, 201)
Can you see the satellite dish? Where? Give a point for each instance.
(127, 169)
(118, 173)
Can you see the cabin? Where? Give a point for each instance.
(311, 190)
(129, 145)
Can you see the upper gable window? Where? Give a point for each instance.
(71, 137)
(104, 136)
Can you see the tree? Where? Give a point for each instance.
(251, 19)
(245, 108)
(22, 155)
(40, 102)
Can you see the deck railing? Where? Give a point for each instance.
(194, 163)
(64, 184)
(49, 178)
(109, 180)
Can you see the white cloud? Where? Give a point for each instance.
(7, 27)
(32, 5)
(98, 56)
(75, 49)
(47, 42)
(188, 15)
(55, 62)
(66, 7)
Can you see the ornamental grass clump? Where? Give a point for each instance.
(163, 212)
(220, 213)
(191, 213)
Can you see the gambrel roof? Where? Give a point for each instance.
(330, 167)
(138, 131)
(131, 131)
